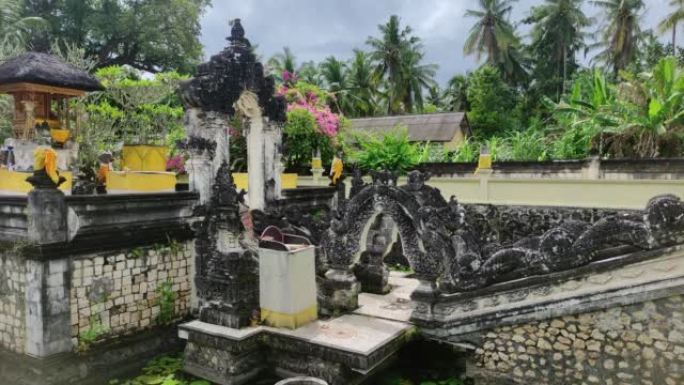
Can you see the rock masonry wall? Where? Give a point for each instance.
(12, 302)
(636, 344)
(119, 294)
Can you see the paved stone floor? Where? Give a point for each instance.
(380, 321)
(395, 306)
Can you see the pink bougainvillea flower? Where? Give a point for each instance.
(176, 164)
(289, 77)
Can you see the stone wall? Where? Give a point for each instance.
(12, 302)
(636, 344)
(122, 293)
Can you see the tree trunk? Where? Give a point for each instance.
(674, 39)
(565, 70)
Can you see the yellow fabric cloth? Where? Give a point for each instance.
(336, 169)
(289, 321)
(46, 158)
(102, 173)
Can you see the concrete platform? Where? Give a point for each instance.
(351, 334)
(343, 350)
(395, 306)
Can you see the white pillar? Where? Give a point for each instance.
(248, 106)
(201, 176)
(272, 166)
(255, 165)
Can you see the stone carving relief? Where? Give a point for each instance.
(467, 248)
(227, 270)
(570, 244)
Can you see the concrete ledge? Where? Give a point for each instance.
(624, 285)
(105, 222)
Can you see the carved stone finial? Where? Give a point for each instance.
(218, 83)
(237, 32)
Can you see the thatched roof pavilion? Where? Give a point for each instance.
(47, 70)
(37, 81)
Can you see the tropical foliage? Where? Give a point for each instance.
(152, 36)
(132, 110)
(389, 151)
(162, 370)
(557, 36)
(641, 116)
(311, 125)
(494, 35)
(620, 32)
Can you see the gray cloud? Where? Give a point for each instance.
(315, 29)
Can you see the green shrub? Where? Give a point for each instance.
(527, 145)
(388, 151)
(95, 330)
(164, 370)
(467, 151)
(167, 303)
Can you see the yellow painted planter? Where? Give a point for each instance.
(14, 182)
(289, 180)
(241, 180)
(126, 182)
(144, 158)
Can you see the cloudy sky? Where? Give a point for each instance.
(315, 29)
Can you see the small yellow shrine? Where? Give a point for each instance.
(41, 85)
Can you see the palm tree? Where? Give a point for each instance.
(494, 35)
(14, 28)
(387, 53)
(672, 20)
(334, 72)
(435, 96)
(310, 73)
(456, 94)
(362, 87)
(557, 36)
(620, 35)
(493, 32)
(281, 62)
(398, 62)
(416, 77)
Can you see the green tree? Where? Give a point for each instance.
(150, 35)
(363, 93)
(650, 51)
(494, 35)
(456, 94)
(620, 35)
(334, 73)
(556, 37)
(283, 61)
(672, 20)
(435, 97)
(14, 26)
(398, 59)
(416, 77)
(310, 73)
(492, 103)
